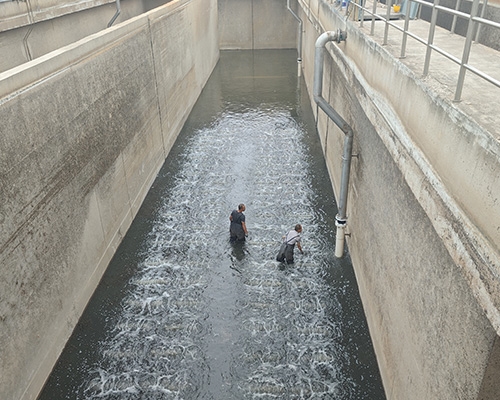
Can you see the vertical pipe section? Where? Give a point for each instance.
(299, 46)
(341, 217)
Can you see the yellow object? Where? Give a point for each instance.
(396, 7)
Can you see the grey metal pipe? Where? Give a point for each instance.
(117, 13)
(299, 46)
(341, 217)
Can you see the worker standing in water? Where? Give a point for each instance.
(291, 239)
(238, 229)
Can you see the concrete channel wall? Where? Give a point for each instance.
(84, 132)
(422, 216)
(256, 24)
(86, 128)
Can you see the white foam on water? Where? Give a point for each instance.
(194, 313)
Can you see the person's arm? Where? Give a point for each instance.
(244, 226)
(231, 217)
(299, 247)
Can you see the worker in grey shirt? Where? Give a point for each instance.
(292, 238)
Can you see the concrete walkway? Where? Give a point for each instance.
(480, 98)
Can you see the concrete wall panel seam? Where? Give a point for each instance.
(156, 89)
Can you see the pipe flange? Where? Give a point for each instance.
(340, 222)
(341, 36)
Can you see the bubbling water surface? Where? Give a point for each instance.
(201, 318)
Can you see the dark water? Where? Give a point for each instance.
(183, 314)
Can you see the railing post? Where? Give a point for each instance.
(483, 10)
(430, 41)
(405, 30)
(374, 11)
(467, 48)
(361, 12)
(454, 23)
(387, 19)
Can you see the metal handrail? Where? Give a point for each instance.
(474, 23)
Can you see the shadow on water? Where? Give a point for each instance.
(181, 313)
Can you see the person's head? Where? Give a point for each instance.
(241, 207)
(298, 228)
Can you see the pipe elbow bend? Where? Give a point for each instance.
(326, 37)
(348, 130)
(331, 36)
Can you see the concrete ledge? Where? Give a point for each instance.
(17, 14)
(42, 68)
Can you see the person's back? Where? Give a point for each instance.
(237, 228)
(292, 238)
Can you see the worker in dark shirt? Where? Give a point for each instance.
(238, 229)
